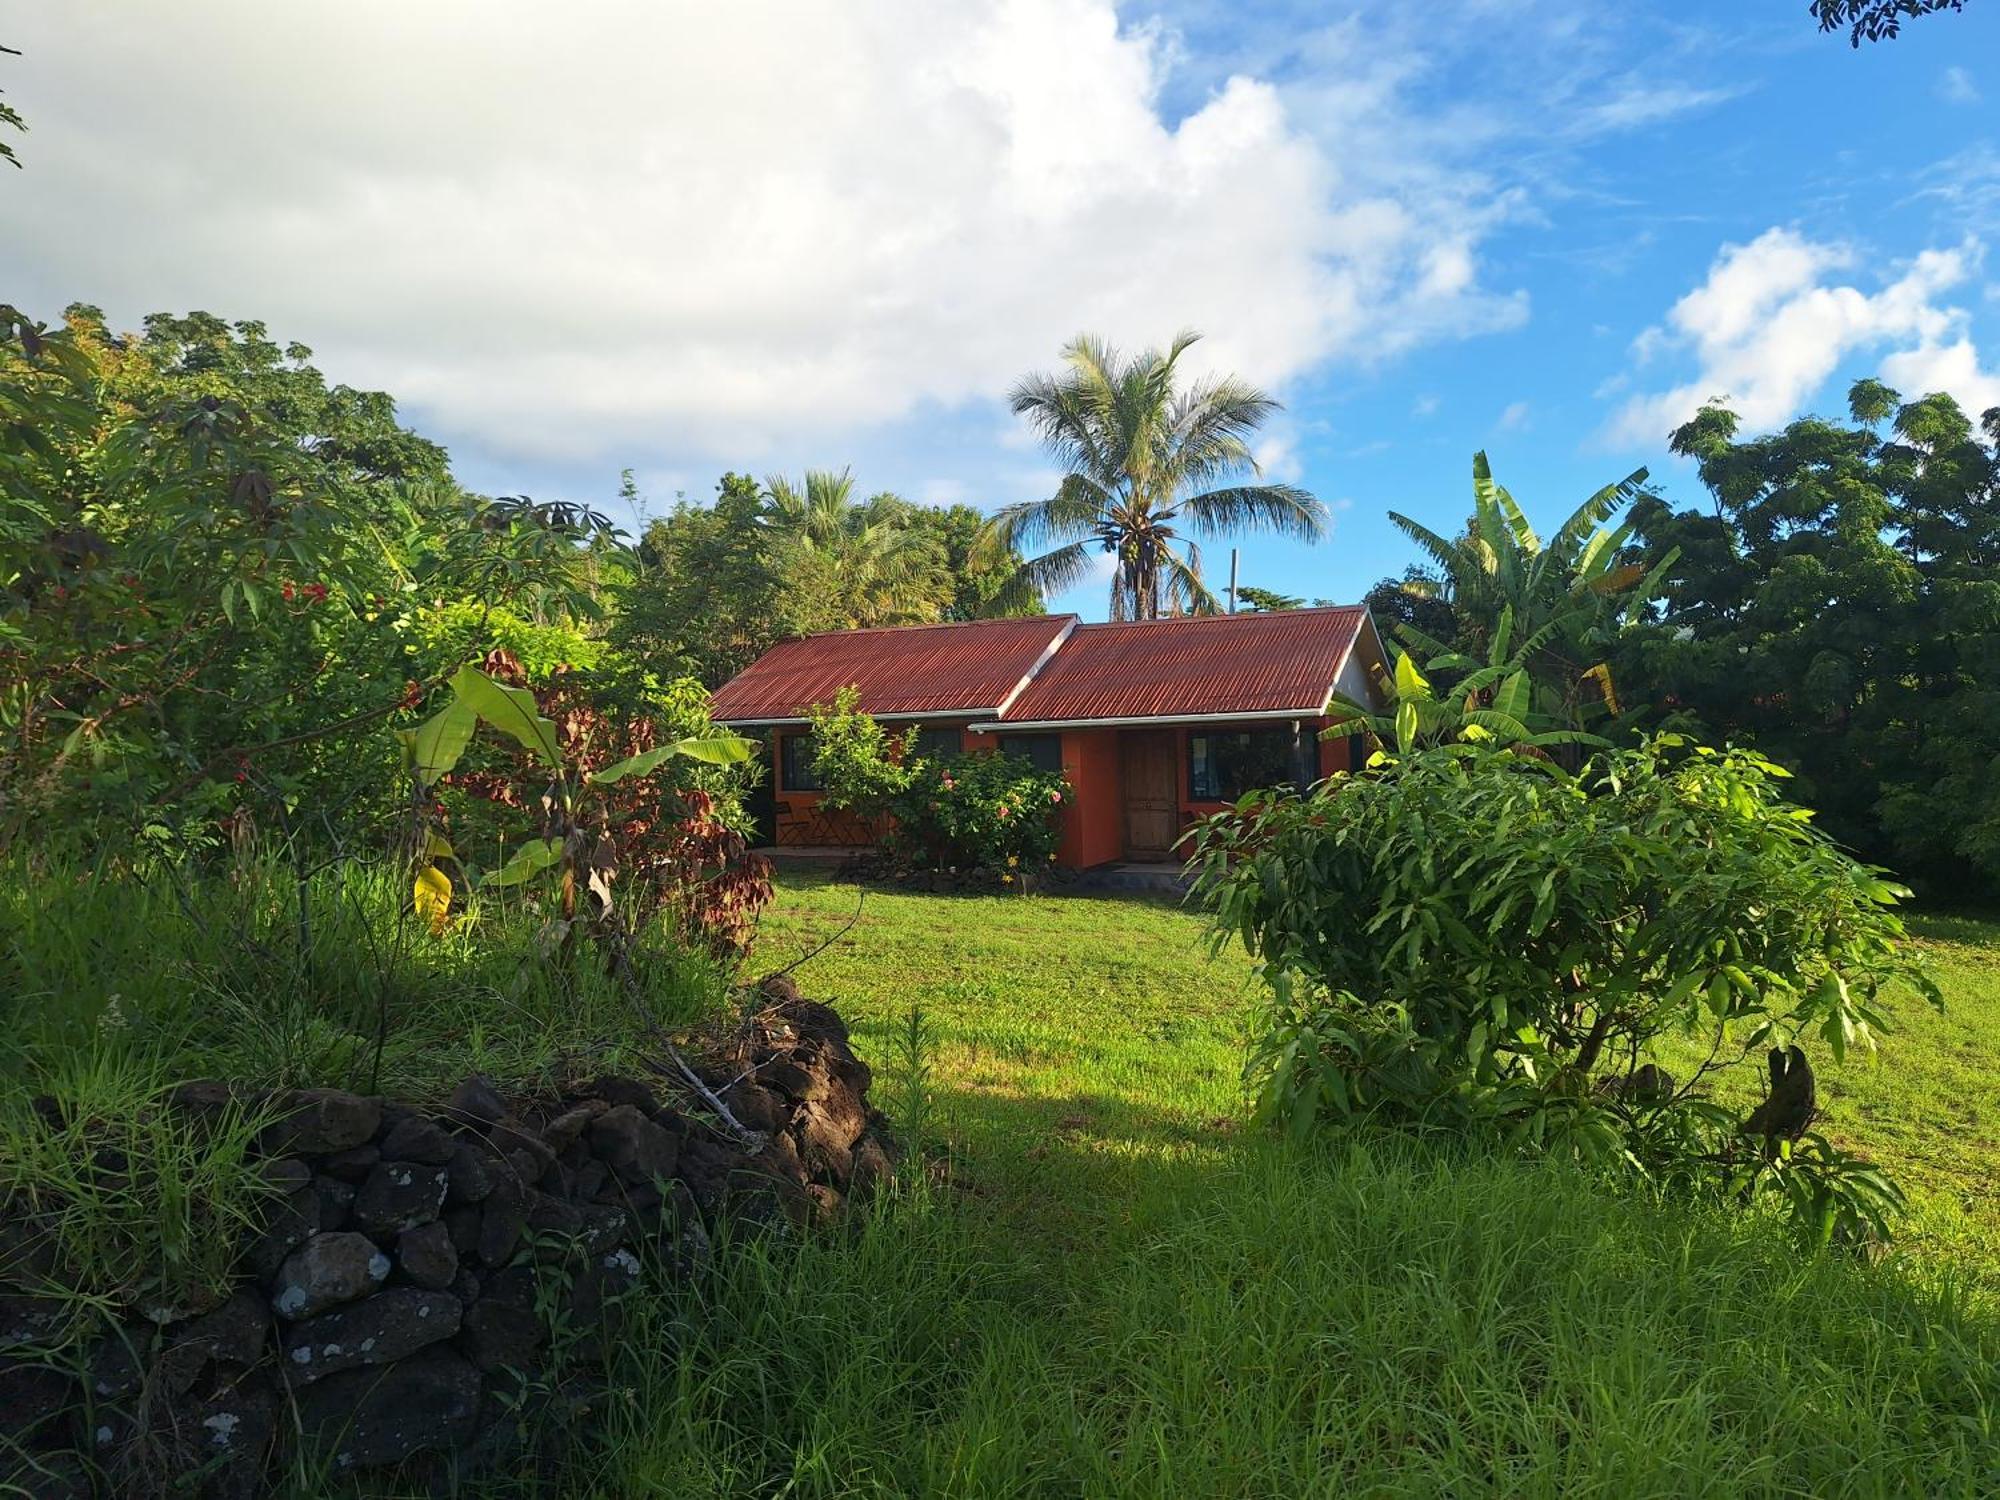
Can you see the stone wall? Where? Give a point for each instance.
(416, 1266)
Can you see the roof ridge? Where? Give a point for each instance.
(816, 635)
(1252, 614)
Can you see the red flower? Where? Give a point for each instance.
(286, 592)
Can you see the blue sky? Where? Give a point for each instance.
(687, 238)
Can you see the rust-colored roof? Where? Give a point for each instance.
(902, 670)
(1282, 662)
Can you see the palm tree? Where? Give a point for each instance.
(1565, 599)
(864, 561)
(1139, 457)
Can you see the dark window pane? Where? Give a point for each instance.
(1045, 750)
(1222, 767)
(936, 745)
(795, 764)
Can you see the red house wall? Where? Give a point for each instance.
(1094, 819)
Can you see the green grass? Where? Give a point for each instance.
(1117, 1291)
(1109, 1286)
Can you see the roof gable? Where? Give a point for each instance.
(900, 671)
(1282, 662)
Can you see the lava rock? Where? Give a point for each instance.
(288, 1223)
(426, 1256)
(636, 1148)
(234, 1333)
(615, 1091)
(564, 1129)
(503, 1329)
(326, 1270)
(389, 1326)
(368, 1417)
(502, 1218)
(336, 1201)
(399, 1195)
(476, 1102)
(756, 1107)
(32, 1394)
(469, 1173)
(322, 1120)
(414, 1138)
(351, 1166)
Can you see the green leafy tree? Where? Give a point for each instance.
(1875, 20)
(854, 563)
(1839, 607)
(1465, 937)
(1150, 463)
(10, 119)
(1256, 601)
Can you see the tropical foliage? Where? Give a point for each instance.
(1151, 462)
(1470, 938)
(986, 814)
(1563, 600)
(1838, 606)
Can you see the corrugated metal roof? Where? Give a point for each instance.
(899, 670)
(1280, 662)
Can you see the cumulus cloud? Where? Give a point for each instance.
(705, 229)
(1955, 86)
(1767, 330)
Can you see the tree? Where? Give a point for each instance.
(978, 575)
(1140, 456)
(1258, 601)
(863, 562)
(10, 118)
(1562, 600)
(1875, 20)
(1839, 607)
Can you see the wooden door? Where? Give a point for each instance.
(1149, 761)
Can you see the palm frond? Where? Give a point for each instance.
(1280, 508)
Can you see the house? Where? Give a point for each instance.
(1154, 723)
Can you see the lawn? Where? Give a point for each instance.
(1116, 1290)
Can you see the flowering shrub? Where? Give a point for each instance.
(979, 812)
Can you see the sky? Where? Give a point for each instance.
(686, 238)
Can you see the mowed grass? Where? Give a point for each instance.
(1116, 1289)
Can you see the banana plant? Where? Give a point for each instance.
(1495, 703)
(1569, 596)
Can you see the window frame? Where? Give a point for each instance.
(786, 763)
(915, 748)
(1039, 737)
(1300, 771)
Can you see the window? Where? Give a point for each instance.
(795, 764)
(935, 745)
(1222, 767)
(1045, 750)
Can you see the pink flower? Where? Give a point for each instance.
(1003, 809)
(1055, 797)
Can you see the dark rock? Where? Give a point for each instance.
(326, 1270)
(516, 1140)
(426, 1256)
(45, 1476)
(368, 1417)
(351, 1166)
(27, 1251)
(591, 1179)
(636, 1148)
(463, 1226)
(336, 1201)
(288, 1223)
(566, 1127)
(399, 1195)
(616, 1091)
(787, 1076)
(756, 1107)
(321, 1120)
(388, 1326)
(31, 1320)
(113, 1367)
(32, 1394)
(413, 1138)
(828, 1129)
(705, 1166)
(778, 989)
(553, 1219)
(476, 1102)
(503, 1329)
(469, 1173)
(234, 1333)
(212, 1096)
(872, 1167)
(233, 1431)
(284, 1174)
(466, 1285)
(826, 1202)
(503, 1217)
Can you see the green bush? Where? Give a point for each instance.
(986, 811)
(1472, 938)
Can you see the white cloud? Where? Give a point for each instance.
(1767, 330)
(1515, 415)
(1955, 86)
(709, 229)
(1952, 367)
(1424, 406)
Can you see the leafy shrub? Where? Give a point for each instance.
(859, 764)
(1471, 938)
(979, 812)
